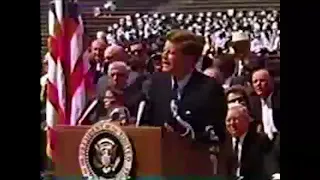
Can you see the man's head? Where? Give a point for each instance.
(237, 120)
(237, 94)
(241, 43)
(97, 48)
(181, 52)
(115, 53)
(139, 55)
(101, 35)
(118, 71)
(262, 82)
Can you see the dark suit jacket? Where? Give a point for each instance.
(257, 109)
(270, 147)
(272, 157)
(252, 161)
(203, 98)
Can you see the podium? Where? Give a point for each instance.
(157, 153)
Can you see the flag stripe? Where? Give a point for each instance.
(69, 77)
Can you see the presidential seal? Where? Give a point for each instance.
(105, 153)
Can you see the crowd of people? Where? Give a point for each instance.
(212, 67)
(263, 28)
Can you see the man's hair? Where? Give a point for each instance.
(239, 89)
(242, 109)
(118, 64)
(190, 44)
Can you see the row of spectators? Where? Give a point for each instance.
(262, 27)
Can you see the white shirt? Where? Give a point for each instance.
(267, 117)
(239, 149)
(240, 67)
(181, 84)
(256, 45)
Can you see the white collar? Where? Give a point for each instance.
(182, 82)
(268, 99)
(241, 138)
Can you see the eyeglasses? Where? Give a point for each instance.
(237, 100)
(137, 52)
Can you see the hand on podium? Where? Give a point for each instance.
(168, 127)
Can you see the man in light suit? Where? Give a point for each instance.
(199, 99)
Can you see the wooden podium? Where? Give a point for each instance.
(157, 153)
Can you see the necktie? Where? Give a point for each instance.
(236, 147)
(236, 153)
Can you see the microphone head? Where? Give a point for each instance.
(119, 113)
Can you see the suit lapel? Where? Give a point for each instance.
(275, 101)
(259, 108)
(165, 92)
(190, 86)
(246, 153)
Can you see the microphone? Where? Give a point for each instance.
(87, 111)
(142, 105)
(214, 149)
(119, 113)
(212, 134)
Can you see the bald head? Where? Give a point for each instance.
(98, 47)
(262, 82)
(115, 53)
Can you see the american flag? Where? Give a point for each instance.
(68, 75)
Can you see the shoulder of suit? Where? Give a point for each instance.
(102, 79)
(159, 76)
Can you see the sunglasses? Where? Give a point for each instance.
(237, 100)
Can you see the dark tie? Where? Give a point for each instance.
(236, 152)
(236, 147)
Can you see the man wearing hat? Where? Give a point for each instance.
(245, 61)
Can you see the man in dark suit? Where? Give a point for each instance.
(265, 103)
(247, 160)
(198, 100)
(96, 57)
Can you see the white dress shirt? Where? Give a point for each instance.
(267, 117)
(240, 67)
(181, 84)
(240, 145)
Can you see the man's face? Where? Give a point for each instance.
(261, 82)
(174, 61)
(236, 98)
(109, 99)
(236, 123)
(119, 78)
(97, 49)
(139, 53)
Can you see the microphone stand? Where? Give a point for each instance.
(213, 153)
